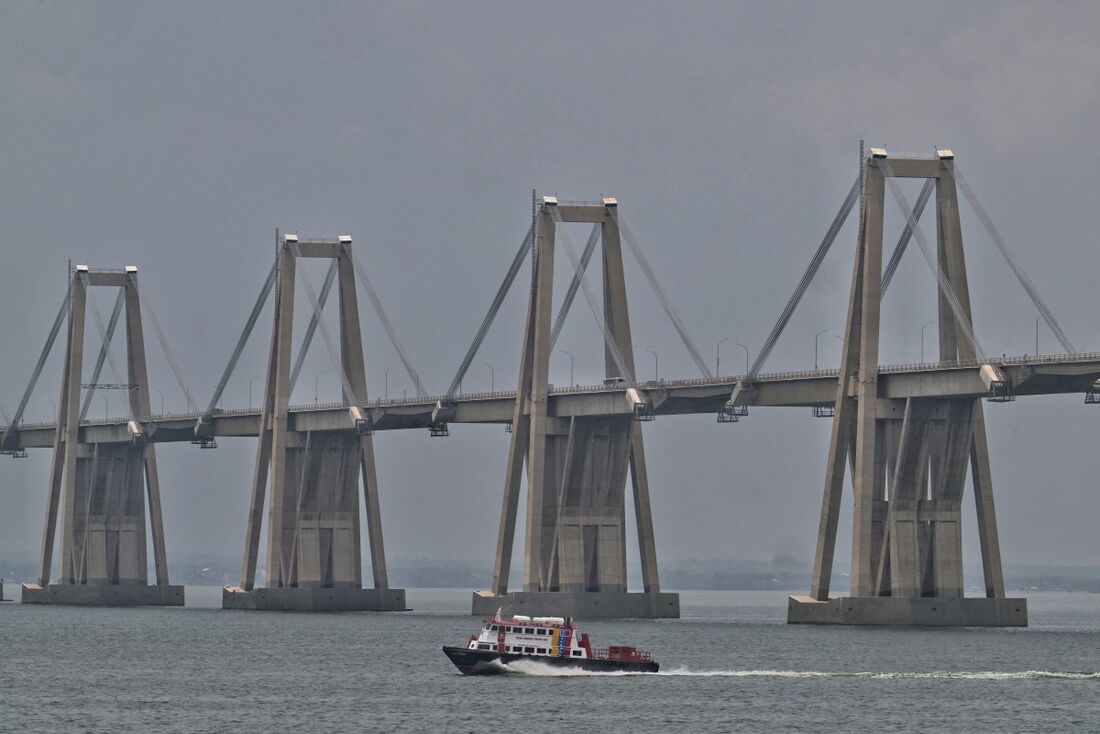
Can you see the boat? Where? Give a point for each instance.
(554, 641)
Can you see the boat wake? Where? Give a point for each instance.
(536, 668)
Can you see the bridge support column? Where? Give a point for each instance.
(908, 458)
(100, 490)
(313, 532)
(574, 559)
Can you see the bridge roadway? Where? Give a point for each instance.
(1027, 375)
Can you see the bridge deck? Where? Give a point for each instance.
(1029, 375)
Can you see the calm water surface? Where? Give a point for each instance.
(730, 664)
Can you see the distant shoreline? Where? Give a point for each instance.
(704, 575)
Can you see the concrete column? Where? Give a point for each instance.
(351, 351)
(643, 512)
(617, 318)
(518, 442)
(867, 389)
(951, 238)
(74, 361)
(981, 474)
(841, 440)
(67, 428)
(262, 464)
(140, 408)
(277, 558)
(540, 365)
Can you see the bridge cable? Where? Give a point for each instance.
(350, 395)
(257, 309)
(105, 343)
(104, 354)
(1025, 281)
(807, 276)
(62, 314)
(311, 329)
(609, 339)
(933, 264)
(494, 308)
(906, 235)
(574, 284)
(172, 362)
(381, 312)
(666, 304)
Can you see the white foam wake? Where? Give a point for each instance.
(537, 668)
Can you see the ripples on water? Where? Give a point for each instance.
(731, 664)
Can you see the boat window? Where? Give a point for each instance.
(542, 651)
(577, 653)
(507, 629)
(483, 646)
(494, 628)
(529, 649)
(540, 632)
(530, 631)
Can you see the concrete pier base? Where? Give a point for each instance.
(918, 611)
(104, 595)
(315, 599)
(584, 604)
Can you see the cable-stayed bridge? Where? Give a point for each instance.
(906, 434)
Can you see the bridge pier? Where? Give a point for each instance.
(313, 532)
(100, 489)
(574, 559)
(909, 456)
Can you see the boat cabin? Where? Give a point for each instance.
(523, 635)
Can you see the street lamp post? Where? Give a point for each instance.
(718, 356)
(656, 366)
(492, 377)
(388, 380)
(922, 328)
(162, 401)
(250, 390)
(817, 336)
(746, 357)
(105, 405)
(570, 365)
(54, 403)
(315, 379)
(1036, 336)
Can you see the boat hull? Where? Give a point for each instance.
(490, 662)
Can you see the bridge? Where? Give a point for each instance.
(906, 434)
(1030, 375)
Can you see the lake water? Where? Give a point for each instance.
(729, 664)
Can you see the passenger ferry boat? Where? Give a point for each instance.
(551, 640)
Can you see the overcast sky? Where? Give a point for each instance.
(178, 136)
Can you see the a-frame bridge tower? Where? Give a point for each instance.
(574, 559)
(908, 457)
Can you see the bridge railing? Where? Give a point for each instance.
(1023, 360)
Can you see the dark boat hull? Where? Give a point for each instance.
(489, 662)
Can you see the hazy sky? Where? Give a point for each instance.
(178, 136)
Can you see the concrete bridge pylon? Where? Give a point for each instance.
(309, 479)
(97, 491)
(574, 559)
(908, 457)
